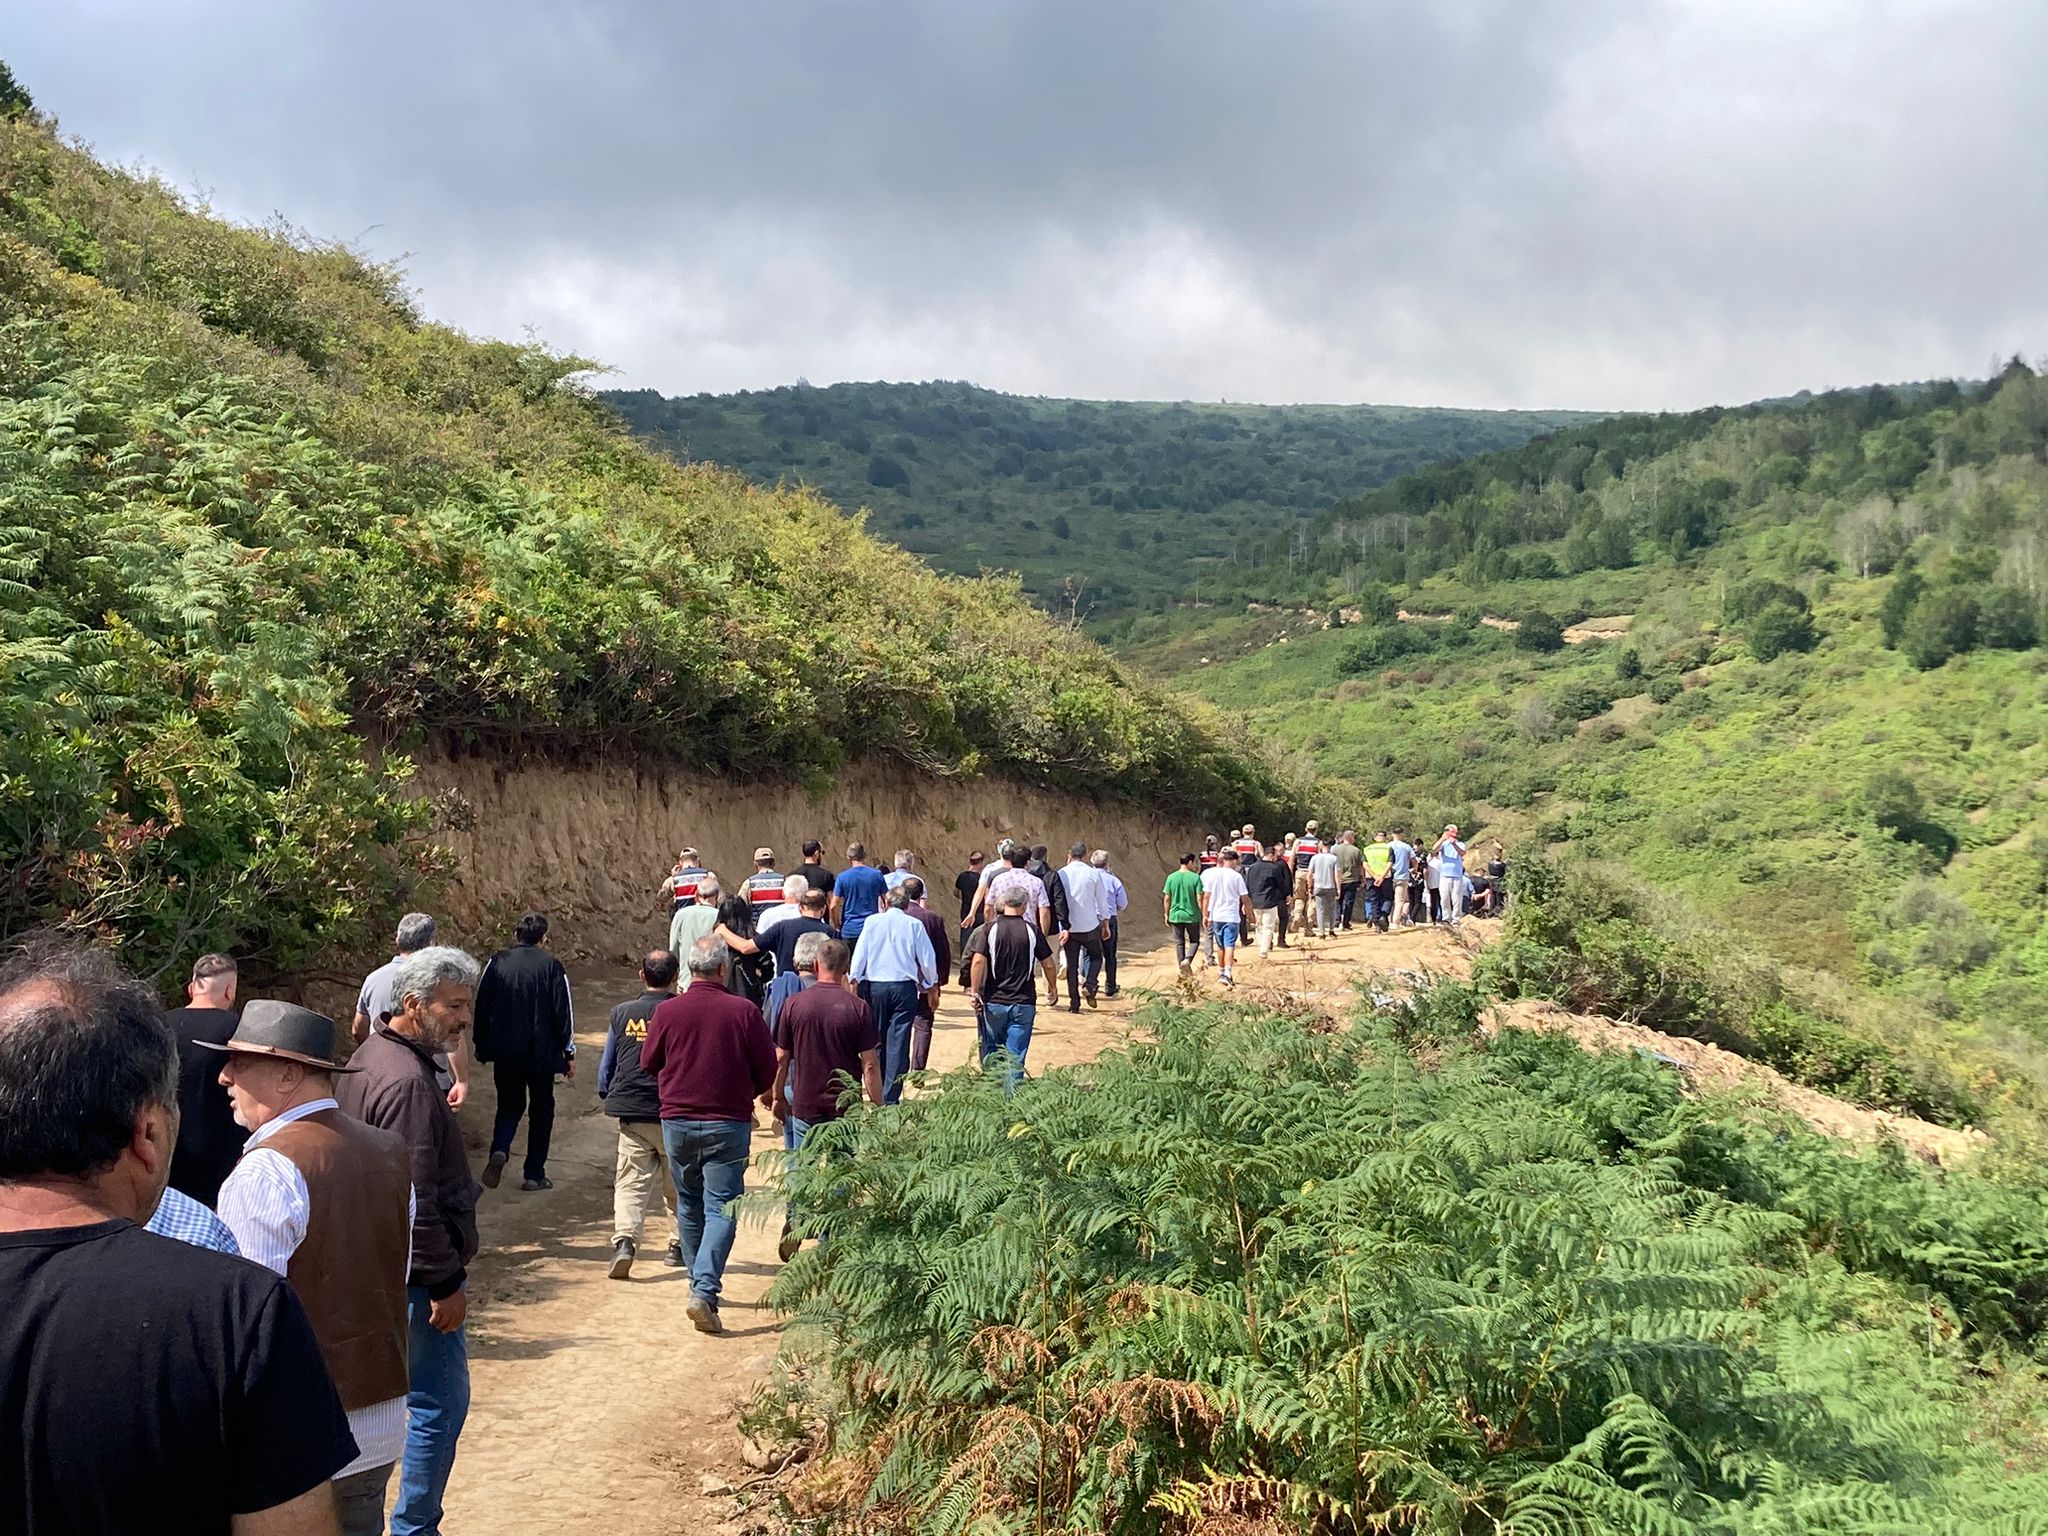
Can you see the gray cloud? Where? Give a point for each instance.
(1588, 202)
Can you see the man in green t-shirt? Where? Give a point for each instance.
(1183, 898)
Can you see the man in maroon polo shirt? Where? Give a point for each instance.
(710, 1056)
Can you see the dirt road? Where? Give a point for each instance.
(595, 1405)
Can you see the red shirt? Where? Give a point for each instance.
(709, 1054)
(1247, 846)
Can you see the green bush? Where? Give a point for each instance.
(1263, 1268)
(1539, 631)
(1778, 628)
(1664, 689)
(1943, 623)
(2007, 620)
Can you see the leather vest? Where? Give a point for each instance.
(350, 1270)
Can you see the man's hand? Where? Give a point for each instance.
(458, 1095)
(447, 1313)
(569, 1069)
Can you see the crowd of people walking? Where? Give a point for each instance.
(301, 1342)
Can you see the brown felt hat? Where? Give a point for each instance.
(285, 1030)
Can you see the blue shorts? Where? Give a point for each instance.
(1226, 934)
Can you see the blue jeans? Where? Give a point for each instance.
(1007, 1027)
(895, 1009)
(708, 1161)
(435, 1408)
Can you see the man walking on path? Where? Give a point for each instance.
(763, 888)
(1087, 924)
(684, 880)
(326, 1201)
(1306, 847)
(967, 884)
(1229, 906)
(696, 921)
(823, 1036)
(630, 1097)
(1451, 875)
(1350, 877)
(150, 1385)
(942, 955)
(1017, 877)
(904, 867)
(794, 889)
(813, 869)
(209, 1140)
(1401, 855)
(710, 1056)
(396, 1091)
(894, 963)
(810, 918)
(525, 1027)
(1002, 958)
(1379, 871)
(1267, 882)
(374, 1003)
(1117, 899)
(856, 894)
(1182, 906)
(1322, 883)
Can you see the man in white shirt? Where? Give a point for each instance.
(905, 866)
(327, 1202)
(792, 894)
(1229, 908)
(1088, 914)
(1322, 880)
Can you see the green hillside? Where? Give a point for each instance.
(253, 508)
(1822, 738)
(1140, 500)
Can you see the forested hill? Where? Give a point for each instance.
(1140, 499)
(253, 507)
(1768, 682)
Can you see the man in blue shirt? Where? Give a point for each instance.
(894, 964)
(856, 894)
(1404, 866)
(1115, 899)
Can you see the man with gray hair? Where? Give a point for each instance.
(691, 923)
(375, 1004)
(1116, 898)
(790, 906)
(906, 865)
(394, 1089)
(710, 1055)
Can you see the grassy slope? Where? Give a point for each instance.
(1746, 793)
(251, 503)
(1153, 494)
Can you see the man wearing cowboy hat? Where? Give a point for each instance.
(327, 1202)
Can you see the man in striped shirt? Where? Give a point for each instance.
(764, 886)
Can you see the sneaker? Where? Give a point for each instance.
(786, 1249)
(1091, 1000)
(1112, 992)
(622, 1258)
(1229, 980)
(673, 1257)
(535, 1184)
(494, 1170)
(703, 1312)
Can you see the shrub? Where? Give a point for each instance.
(1943, 623)
(2007, 620)
(1664, 689)
(1539, 631)
(1893, 801)
(886, 473)
(1581, 699)
(1899, 599)
(1750, 598)
(1778, 628)
(1372, 649)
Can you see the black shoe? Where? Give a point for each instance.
(622, 1258)
(1111, 992)
(1073, 1007)
(534, 1184)
(1091, 1000)
(673, 1255)
(703, 1311)
(494, 1169)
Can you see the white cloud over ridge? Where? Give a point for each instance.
(1597, 204)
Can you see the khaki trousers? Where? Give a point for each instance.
(642, 1167)
(1268, 921)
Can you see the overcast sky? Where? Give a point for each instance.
(1448, 202)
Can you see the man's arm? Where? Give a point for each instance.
(871, 1075)
(977, 976)
(564, 1003)
(410, 1114)
(609, 1060)
(312, 1513)
(835, 910)
(458, 1065)
(777, 1099)
(360, 1027)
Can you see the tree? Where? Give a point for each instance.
(1628, 666)
(1539, 631)
(1780, 628)
(1899, 599)
(14, 99)
(1376, 605)
(1943, 623)
(1893, 801)
(885, 472)
(2006, 620)
(1061, 528)
(1750, 598)
(1124, 539)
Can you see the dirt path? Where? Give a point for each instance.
(597, 1407)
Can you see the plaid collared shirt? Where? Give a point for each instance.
(185, 1220)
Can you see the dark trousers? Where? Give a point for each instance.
(524, 1090)
(1109, 960)
(1187, 942)
(1286, 906)
(1347, 899)
(894, 1004)
(1082, 949)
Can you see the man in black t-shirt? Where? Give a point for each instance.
(146, 1385)
(209, 1141)
(781, 941)
(1006, 955)
(966, 884)
(813, 867)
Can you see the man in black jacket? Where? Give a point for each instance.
(209, 1140)
(631, 1098)
(526, 1028)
